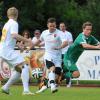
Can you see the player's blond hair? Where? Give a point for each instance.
(12, 12)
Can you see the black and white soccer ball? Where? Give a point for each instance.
(37, 73)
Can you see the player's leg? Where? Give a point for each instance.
(67, 72)
(24, 75)
(68, 79)
(51, 75)
(72, 72)
(17, 61)
(16, 71)
(25, 79)
(43, 85)
(65, 69)
(14, 77)
(43, 82)
(58, 75)
(75, 72)
(58, 68)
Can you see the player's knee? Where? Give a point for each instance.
(58, 71)
(52, 69)
(18, 69)
(76, 74)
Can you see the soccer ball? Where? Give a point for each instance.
(37, 73)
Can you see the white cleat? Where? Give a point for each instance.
(42, 89)
(28, 93)
(5, 91)
(69, 84)
(54, 89)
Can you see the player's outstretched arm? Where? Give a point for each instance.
(88, 46)
(21, 38)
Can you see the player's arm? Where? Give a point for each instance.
(41, 44)
(95, 44)
(19, 37)
(20, 45)
(36, 43)
(88, 46)
(39, 41)
(70, 39)
(63, 45)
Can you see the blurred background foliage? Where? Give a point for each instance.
(33, 14)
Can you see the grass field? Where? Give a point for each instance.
(73, 93)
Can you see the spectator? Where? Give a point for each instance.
(36, 37)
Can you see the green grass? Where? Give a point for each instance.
(73, 93)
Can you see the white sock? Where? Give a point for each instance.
(25, 77)
(14, 77)
(51, 78)
(42, 89)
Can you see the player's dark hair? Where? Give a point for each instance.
(86, 24)
(51, 20)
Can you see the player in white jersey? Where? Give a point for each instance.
(69, 38)
(9, 55)
(54, 42)
(67, 35)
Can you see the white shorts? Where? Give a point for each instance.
(54, 59)
(12, 57)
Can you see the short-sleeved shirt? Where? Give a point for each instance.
(7, 42)
(51, 41)
(76, 48)
(68, 37)
(34, 39)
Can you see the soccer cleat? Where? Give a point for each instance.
(54, 89)
(42, 89)
(5, 91)
(69, 84)
(28, 93)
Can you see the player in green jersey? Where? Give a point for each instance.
(84, 41)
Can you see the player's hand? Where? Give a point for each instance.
(98, 46)
(20, 46)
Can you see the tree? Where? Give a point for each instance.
(33, 14)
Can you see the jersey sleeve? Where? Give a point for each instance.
(94, 41)
(14, 28)
(62, 37)
(80, 39)
(70, 38)
(42, 37)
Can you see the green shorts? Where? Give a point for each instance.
(69, 67)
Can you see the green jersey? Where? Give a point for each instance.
(76, 49)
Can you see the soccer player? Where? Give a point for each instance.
(84, 41)
(69, 39)
(12, 57)
(54, 42)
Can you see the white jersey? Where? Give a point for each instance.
(51, 41)
(7, 42)
(34, 39)
(68, 37)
